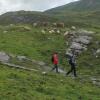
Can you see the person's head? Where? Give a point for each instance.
(55, 53)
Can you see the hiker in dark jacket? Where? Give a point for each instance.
(55, 62)
(72, 63)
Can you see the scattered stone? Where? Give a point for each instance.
(11, 25)
(27, 28)
(82, 40)
(41, 63)
(43, 31)
(73, 28)
(12, 55)
(44, 73)
(78, 40)
(49, 38)
(35, 24)
(51, 31)
(4, 57)
(58, 31)
(76, 46)
(85, 32)
(98, 51)
(21, 58)
(5, 31)
(66, 33)
(95, 81)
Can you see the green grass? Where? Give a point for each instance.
(16, 84)
(32, 43)
(23, 85)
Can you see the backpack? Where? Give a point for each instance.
(52, 59)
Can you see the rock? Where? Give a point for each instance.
(54, 24)
(66, 33)
(51, 31)
(98, 51)
(49, 38)
(27, 28)
(85, 48)
(85, 32)
(78, 52)
(67, 43)
(12, 55)
(5, 31)
(4, 57)
(21, 58)
(44, 73)
(83, 41)
(43, 31)
(11, 25)
(97, 42)
(58, 31)
(73, 28)
(35, 24)
(95, 81)
(72, 33)
(76, 46)
(41, 63)
(86, 37)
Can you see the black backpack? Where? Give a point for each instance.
(52, 59)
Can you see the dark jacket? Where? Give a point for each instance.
(72, 60)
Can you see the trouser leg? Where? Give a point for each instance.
(69, 71)
(56, 66)
(53, 68)
(74, 70)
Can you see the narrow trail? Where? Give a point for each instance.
(30, 69)
(19, 67)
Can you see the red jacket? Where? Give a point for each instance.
(55, 59)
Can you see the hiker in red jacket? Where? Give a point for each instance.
(55, 62)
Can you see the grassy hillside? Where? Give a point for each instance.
(16, 84)
(23, 85)
(33, 43)
(80, 13)
(24, 17)
(78, 6)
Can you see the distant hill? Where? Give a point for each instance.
(79, 13)
(26, 17)
(78, 6)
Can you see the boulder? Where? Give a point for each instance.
(73, 28)
(76, 46)
(66, 33)
(4, 57)
(41, 63)
(35, 24)
(85, 32)
(5, 31)
(43, 31)
(51, 31)
(58, 31)
(27, 28)
(98, 51)
(82, 40)
(21, 58)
